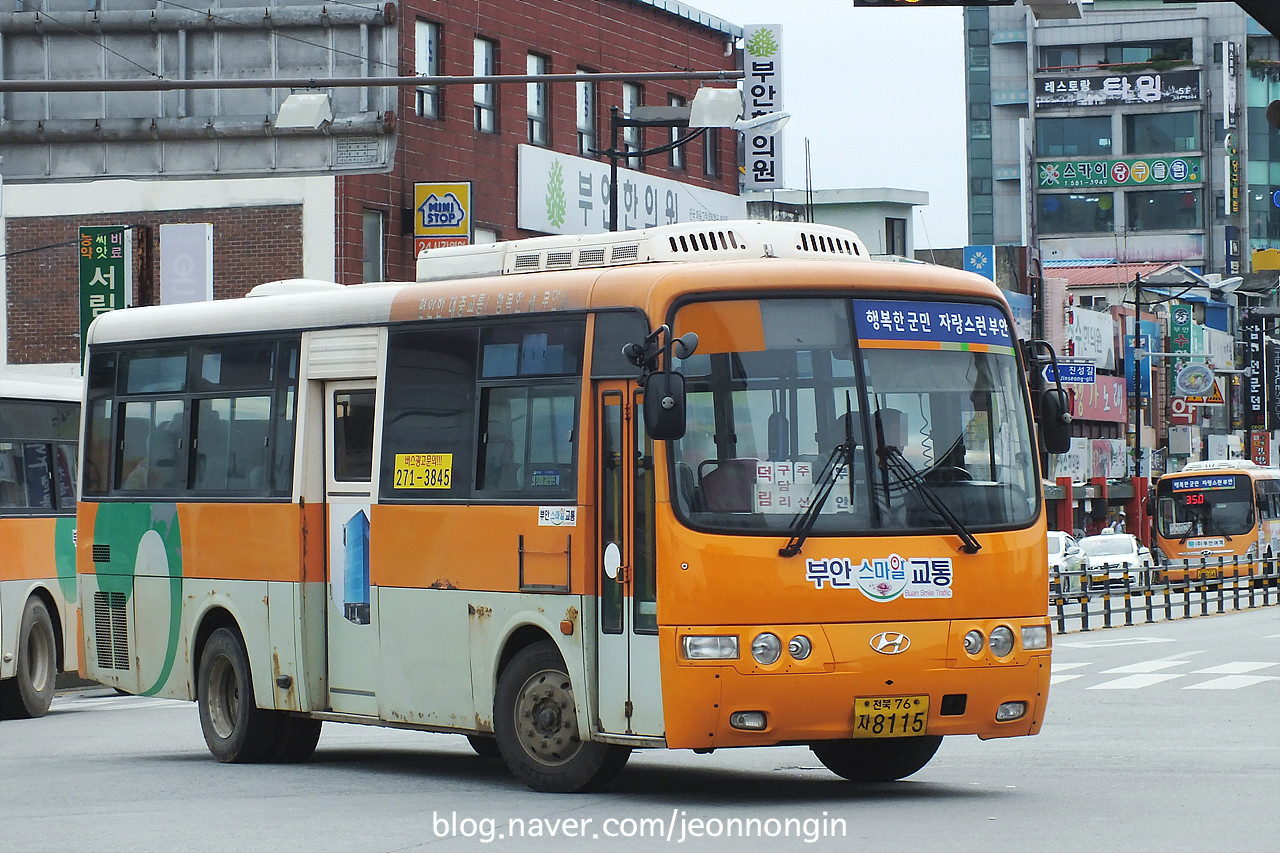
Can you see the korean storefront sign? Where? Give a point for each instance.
(761, 95)
(106, 273)
(563, 194)
(1145, 171)
(442, 216)
(1105, 90)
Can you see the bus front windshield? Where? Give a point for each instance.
(1216, 505)
(889, 415)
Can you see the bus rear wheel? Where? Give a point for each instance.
(868, 761)
(537, 728)
(235, 728)
(30, 692)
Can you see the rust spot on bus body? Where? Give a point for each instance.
(442, 583)
(479, 611)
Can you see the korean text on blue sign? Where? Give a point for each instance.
(1204, 484)
(1079, 373)
(940, 322)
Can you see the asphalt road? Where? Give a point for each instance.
(1159, 737)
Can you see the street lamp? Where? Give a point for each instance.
(711, 108)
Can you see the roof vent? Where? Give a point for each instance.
(691, 241)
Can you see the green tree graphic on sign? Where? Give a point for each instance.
(762, 43)
(556, 204)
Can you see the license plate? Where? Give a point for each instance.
(891, 716)
(1205, 574)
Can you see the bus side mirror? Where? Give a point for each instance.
(664, 414)
(1055, 420)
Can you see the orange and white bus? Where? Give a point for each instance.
(694, 487)
(39, 419)
(1215, 518)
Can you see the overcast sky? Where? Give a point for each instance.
(879, 93)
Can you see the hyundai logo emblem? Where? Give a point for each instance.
(890, 642)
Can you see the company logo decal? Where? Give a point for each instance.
(890, 643)
(884, 578)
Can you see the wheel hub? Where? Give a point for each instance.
(546, 722)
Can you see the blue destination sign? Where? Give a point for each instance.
(1204, 484)
(1078, 372)
(939, 322)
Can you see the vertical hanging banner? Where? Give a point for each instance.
(1255, 402)
(186, 262)
(761, 95)
(106, 273)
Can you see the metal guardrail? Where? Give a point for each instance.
(1111, 596)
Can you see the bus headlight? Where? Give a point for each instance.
(800, 647)
(1035, 637)
(973, 642)
(710, 647)
(1001, 641)
(766, 648)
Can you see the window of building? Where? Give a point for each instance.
(676, 157)
(586, 113)
(980, 111)
(1166, 50)
(1082, 213)
(426, 63)
(632, 137)
(373, 231)
(1059, 56)
(1264, 140)
(895, 236)
(1264, 218)
(1073, 137)
(536, 99)
(1164, 210)
(711, 152)
(485, 95)
(1161, 133)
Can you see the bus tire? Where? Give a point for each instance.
(235, 728)
(537, 728)
(298, 738)
(30, 692)
(868, 761)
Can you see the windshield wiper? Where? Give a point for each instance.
(802, 524)
(906, 474)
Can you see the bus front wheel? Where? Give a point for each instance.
(235, 728)
(30, 692)
(537, 728)
(884, 760)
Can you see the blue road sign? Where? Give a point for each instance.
(1080, 373)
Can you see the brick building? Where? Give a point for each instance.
(358, 227)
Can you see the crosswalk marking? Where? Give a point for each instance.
(1237, 667)
(1231, 682)
(1134, 682)
(1147, 666)
(1058, 679)
(1059, 667)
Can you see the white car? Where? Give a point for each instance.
(1114, 555)
(1066, 561)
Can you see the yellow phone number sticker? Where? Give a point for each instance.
(424, 470)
